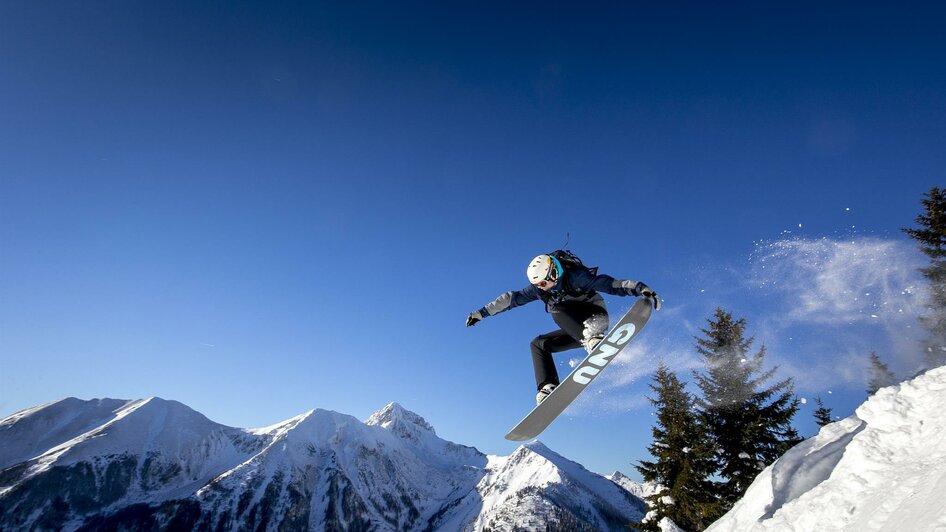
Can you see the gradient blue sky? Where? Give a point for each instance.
(260, 209)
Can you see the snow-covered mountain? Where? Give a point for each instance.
(882, 469)
(157, 464)
(639, 490)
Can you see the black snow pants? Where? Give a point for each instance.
(571, 317)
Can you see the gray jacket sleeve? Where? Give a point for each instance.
(510, 300)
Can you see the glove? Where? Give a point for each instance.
(645, 291)
(474, 317)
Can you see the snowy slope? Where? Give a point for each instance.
(882, 469)
(321, 454)
(642, 491)
(635, 488)
(151, 464)
(553, 488)
(32, 432)
(104, 454)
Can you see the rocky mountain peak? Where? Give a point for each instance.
(138, 464)
(396, 418)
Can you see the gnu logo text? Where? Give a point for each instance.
(603, 354)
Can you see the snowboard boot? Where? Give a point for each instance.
(589, 342)
(595, 327)
(544, 392)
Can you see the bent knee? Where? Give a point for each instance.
(595, 326)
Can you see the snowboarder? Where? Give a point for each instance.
(570, 292)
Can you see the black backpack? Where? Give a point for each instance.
(569, 262)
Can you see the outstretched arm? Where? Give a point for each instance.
(582, 280)
(506, 301)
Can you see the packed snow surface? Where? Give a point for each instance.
(882, 469)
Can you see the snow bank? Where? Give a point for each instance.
(882, 469)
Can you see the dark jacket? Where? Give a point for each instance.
(575, 285)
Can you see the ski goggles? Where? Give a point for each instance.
(551, 277)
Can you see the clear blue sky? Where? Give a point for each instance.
(260, 209)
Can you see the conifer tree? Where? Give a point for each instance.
(880, 375)
(932, 239)
(822, 414)
(750, 423)
(683, 459)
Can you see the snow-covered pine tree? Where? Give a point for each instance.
(932, 239)
(822, 413)
(751, 424)
(880, 375)
(683, 460)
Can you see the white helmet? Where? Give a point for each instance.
(544, 268)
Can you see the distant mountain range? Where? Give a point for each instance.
(157, 464)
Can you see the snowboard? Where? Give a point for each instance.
(555, 403)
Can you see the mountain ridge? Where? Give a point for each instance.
(157, 463)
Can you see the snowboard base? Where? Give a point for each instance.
(545, 413)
